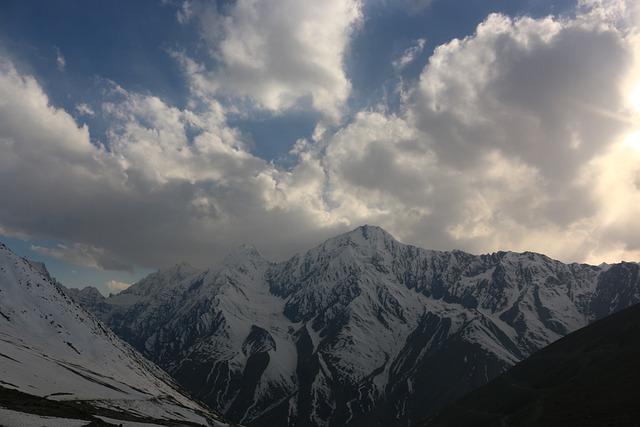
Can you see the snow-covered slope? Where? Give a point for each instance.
(361, 330)
(50, 346)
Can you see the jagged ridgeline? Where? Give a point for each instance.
(359, 331)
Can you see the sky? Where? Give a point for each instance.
(136, 135)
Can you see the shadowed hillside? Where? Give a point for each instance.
(589, 378)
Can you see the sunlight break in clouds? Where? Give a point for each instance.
(517, 137)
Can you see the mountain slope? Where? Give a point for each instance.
(588, 378)
(361, 330)
(50, 346)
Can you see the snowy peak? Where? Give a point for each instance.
(369, 233)
(181, 271)
(242, 252)
(363, 240)
(245, 256)
(87, 297)
(241, 269)
(161, 280)
(340, 256)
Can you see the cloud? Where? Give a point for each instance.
(167, 183)
(278, 53)
(506, 143)
(61, 63)
(85, 110)
(186, 12)
(417, 6)
(518, 137)
(85, 255)
(547, 95)
(115, 286)
(409, 55)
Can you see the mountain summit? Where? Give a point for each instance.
(361, 330)
(365, 240)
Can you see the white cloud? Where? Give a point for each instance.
(543, 101)
(409, 55)
(278, 52)
(186, 12)
(115, 286)
(85, 110)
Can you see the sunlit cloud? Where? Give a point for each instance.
(115, 286)
(276, 53)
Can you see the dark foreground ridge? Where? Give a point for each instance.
(588, 378)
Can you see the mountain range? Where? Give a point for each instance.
(57, 360)
(361, 330)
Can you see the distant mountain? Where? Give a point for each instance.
(588, 378)
(51, 347)
(359, 331)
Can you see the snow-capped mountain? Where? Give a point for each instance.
(52, 347)
(361, 330)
